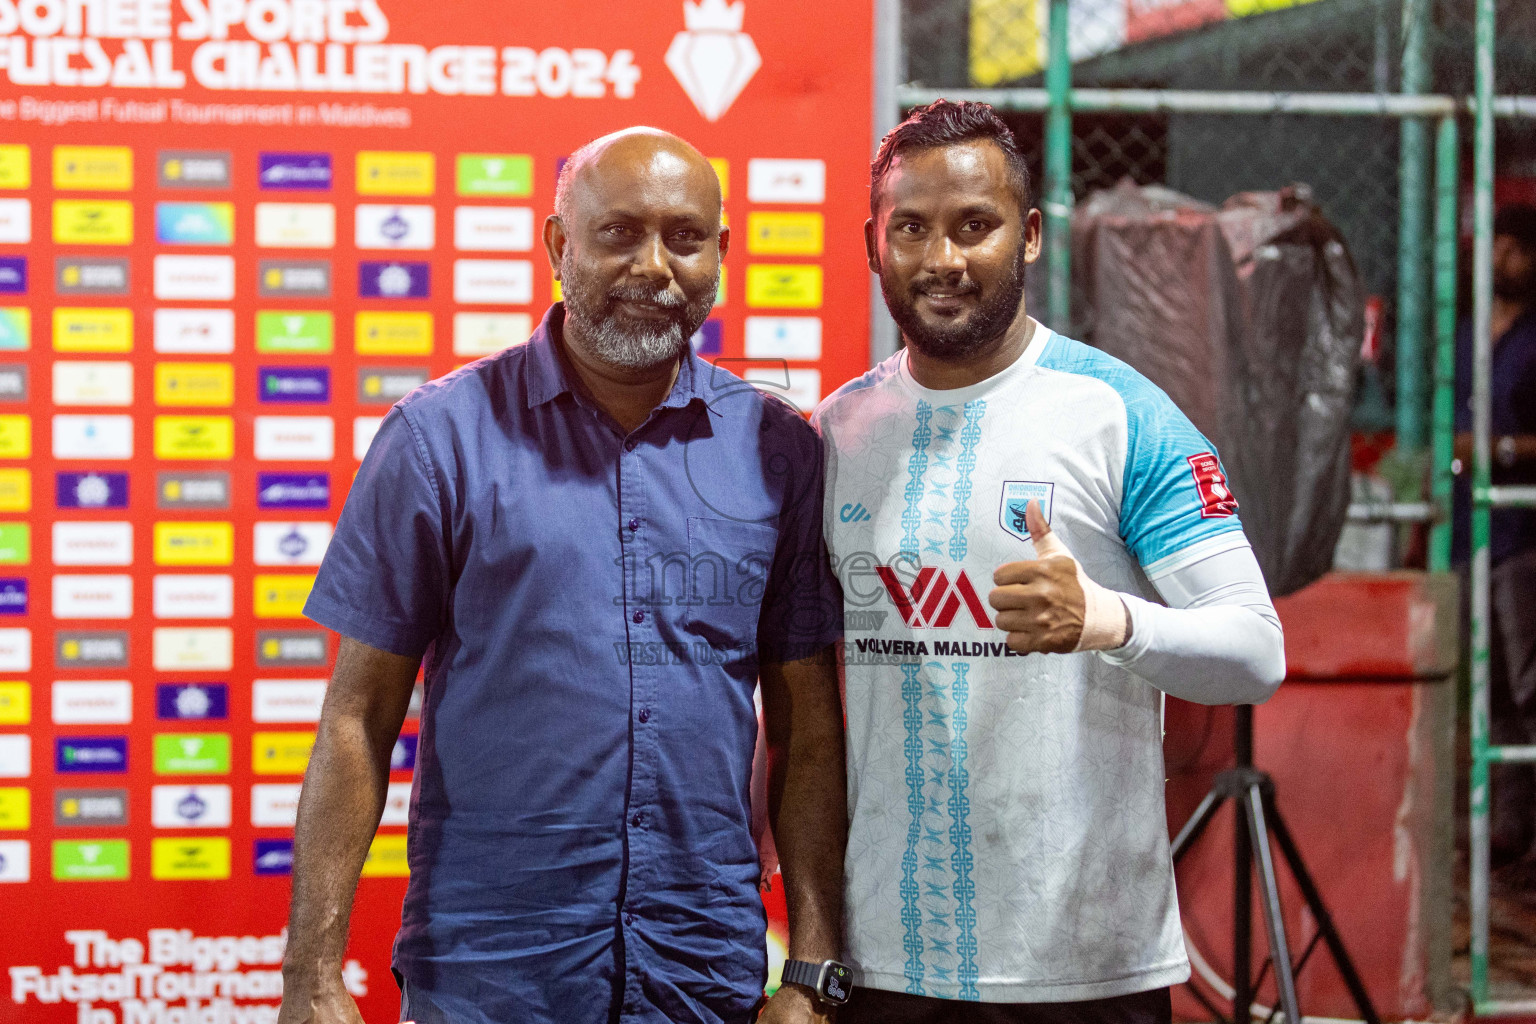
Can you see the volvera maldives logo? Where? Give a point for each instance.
(934, 599)
(713, 59)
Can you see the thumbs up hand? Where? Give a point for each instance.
(1048, 605)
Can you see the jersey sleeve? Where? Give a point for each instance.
(385, 575)
(1176, 503)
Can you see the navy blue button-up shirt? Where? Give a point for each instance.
(592, 607)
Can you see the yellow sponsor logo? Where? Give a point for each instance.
(92, 330)
(194, 384)
(281, 753)
(282, 596)
(15, 490)
(15, 437)
(93, 221)
(386, 858)
(783, 286)
(194, 437)
(189, 858)
(93, 168)
(381, 173)
(393, 334)
(15, 807)
(785, 234)
(723, 172)
(15, 703)
(15, 167)
(194, 543)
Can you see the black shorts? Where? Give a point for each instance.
(876, 1006)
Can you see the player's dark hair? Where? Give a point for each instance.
(943, 123)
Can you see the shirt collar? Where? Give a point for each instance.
(548, 379)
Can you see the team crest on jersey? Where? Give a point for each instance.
(1017, 494)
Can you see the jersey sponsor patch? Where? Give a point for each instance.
(1216, 498)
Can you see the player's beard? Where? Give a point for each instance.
(624, 341)
(961, 340)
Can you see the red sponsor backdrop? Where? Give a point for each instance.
(787, 81)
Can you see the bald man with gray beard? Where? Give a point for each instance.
(597, 546)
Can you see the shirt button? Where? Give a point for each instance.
(637, 820)
(629, 919)
(645, 715)
(634, 524)
(629, 446)
(639, 616)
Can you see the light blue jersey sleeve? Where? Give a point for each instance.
(1174, 492)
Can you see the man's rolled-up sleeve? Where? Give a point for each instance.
(803, 604)
(385, 577)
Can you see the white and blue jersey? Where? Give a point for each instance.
(1008, 840)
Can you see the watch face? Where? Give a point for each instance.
(838, 984)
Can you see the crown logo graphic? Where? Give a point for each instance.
(713, 59)
(713, 15)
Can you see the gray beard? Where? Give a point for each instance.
(624, 342)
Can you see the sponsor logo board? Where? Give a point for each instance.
(192, 859)
(786, 181)
(92, 222)
(202, 490)
(287, 700)
(194, 437)
(194, 384)
(192, 169)
(504, 282)
(386, 858)
(281, 753)
(195, 331)
(783, 286)
(385, 385)
(87, 542)
(191, 701)
(380, 226)
(15, 757)
(92, 329)
(15, 860)
(15, 490)
(272, 857)
(274, 805)
(293, 279)
(15, 436)
(73, 808)
(92, 383)
(291, 543)
(393, 280)
(197, 806)
(195, 223)
(210, 596)
(293, 490)
(91, 275)
(93, 168)
(295, 331)
(15, 543)
(783, 337)
(785, 234)
(291, 648)
(91, 489)
(192, 753)
(493, 174)
(192, 543)
(15, 324)
(15, 221)
(194, 277)
(15, 703)
(90, 649)
(81, 755)
(193, 649)
(281, 596)
(92, 597)
(95, 860)
(493, 228)
(384, 173)
(295, 225)
(15, 808)
(483, 334)
(106, 702)
(295, 438)
(393, 334)
(15, 166)
(295, 172)
(14, 378)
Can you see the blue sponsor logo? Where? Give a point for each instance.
(91, 490)
(709, 339)
(308, 172)
(394, 280)
(403, 757)
(13, 596)
(194, 223)
(273, 857)
(79, 755)
(293, 490)
(13, 275)
(191, 701)
(294, 384)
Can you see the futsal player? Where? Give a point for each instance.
(1034, 546)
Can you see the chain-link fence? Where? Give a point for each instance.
(1351, 164)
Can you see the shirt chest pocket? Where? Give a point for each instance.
(727, 575)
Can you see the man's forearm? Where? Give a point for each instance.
(343, 798)
(808, 806)
(340, 804)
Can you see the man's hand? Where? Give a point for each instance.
(792, 1004)
(309, 1001)
(1049, 605)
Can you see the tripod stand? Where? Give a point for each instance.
(1257, 818)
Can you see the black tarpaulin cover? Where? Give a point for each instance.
(1250, 317)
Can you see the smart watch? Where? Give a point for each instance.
(831, 981)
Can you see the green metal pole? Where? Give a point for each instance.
(1058, 172)
(1447, 175)
(1482, 372)
(1412, 290)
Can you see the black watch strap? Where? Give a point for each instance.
(802, 972)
